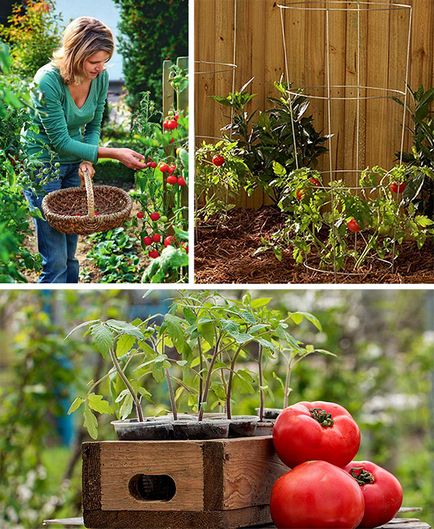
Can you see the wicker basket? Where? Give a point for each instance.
(89, 210)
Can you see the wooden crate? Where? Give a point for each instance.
(219, 484)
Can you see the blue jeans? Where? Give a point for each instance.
(59, 264)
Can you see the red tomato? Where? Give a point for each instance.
(155, 216)
(314, 181)
(140, 215)
(397, 188)
(152, 164)
(172, 168)
(169, 240)
(164, 168)
(381, 490)
(147, 241)
(181, 182)
(353, 226)
(156, 237)
(299, 194)
(172, 180)
(316, 430)
(316, 495)
(153, 254)
(218, 160)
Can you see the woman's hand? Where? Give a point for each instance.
(130, 158)
(83, 167)
(87, 166)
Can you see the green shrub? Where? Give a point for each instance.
(111, 172)
(151, 31)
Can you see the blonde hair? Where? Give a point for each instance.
(83, 37)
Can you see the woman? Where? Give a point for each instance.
(69, 99)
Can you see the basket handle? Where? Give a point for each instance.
(89, 191)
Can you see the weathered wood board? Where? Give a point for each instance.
(397, 523)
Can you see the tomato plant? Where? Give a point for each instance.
(381, 490)
(221, 173)
(316, 494)
(316, 430)
(326, 219)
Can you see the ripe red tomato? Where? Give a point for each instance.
(153, 254)
(169, 240)
(176, 116)
(155, 216)
(353, 226)
(181, 182)
(316, 430)
(152, 164)
(172, 168)
(218, 160)
(172, 180)
(166, 125)
(156, 237)
(381, 490)
(314, 181)
(316, 495)
(140, 215)
(398, 188)
(147, 241)
(164, 168)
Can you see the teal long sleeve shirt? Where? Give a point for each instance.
(72, 133)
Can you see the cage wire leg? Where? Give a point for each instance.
(404, 119)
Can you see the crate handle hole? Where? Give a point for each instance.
(145, 487)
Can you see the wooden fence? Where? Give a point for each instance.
(248, 33)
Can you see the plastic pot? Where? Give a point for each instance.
(243, 425)
(149, 430)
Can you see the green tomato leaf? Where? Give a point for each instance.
(124, 344)
(127, 406)
(102, 337)
(75, 405)
(97, 403)
(90, 422)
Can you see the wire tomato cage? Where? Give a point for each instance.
(337, 96)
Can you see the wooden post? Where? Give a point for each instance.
(168, 94)
(182, 102)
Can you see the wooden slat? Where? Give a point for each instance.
(168, 93)
(397, 523)
(182, 461)
(247, 485)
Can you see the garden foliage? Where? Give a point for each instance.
(33, 33)
(151, 31)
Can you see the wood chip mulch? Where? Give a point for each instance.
(224, 251)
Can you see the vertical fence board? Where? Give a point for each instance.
(260, 53)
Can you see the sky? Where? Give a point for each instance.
(104, 10)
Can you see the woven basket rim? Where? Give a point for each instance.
(98, 218)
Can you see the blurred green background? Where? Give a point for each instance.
(383, 374)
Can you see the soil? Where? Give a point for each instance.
(224, 251)
(92, 273)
